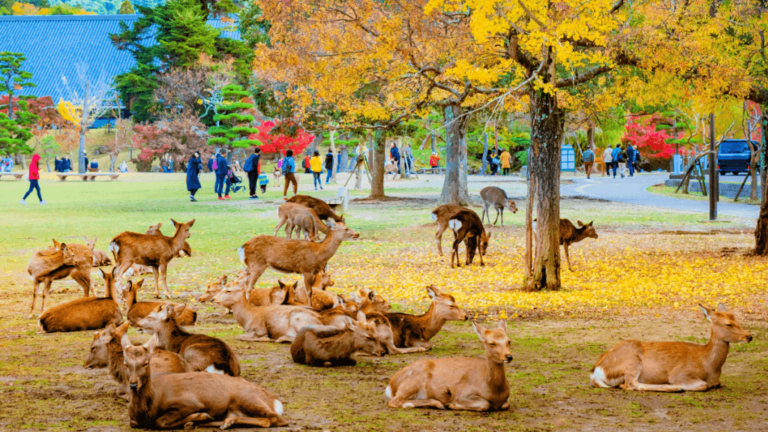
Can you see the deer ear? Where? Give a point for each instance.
(123, 329)
(103, 275)
(125, 342)
(325, 269)
(139, 283)
(721, 308)
(55, 243)
(159, 225)
(479, 330)
(361, 317)
(578, 222)
(179, 309)
(503, 325)
(706, 312)
(151, 344)
(176, 224)
(489, 235)
(371, 295)
(590, 223)
(282, 285)
(110, 328)
(190, 223)
(63, 246)
(331, 223)
(431, 292)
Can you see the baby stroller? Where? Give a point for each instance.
(237, 182)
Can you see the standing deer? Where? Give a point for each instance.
(170, 401)
(468, 227)
(138, 310)
(186, 251)
(318, 345)
(671, 366)
(321, 208)
(496, 197)
(292, 256)
(301, 218)
(155, 251)
(470, 384)
(442, 214)
(569, 235)
(51, 264)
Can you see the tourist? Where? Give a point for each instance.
(305, 164)
(210, 163)
(328, 166)
(7, 164)
(124, 167)
(434, 162)
(56, 164)
(506, 160)
(263, 181)
(495, 163)
(394, 152)
(589, 160)
(252, 168)
(222, 168)
(408, 158)
(316, 166)
(85, 157)
(289, 171)
(608, 160)
(34, 177)
(194, 167)
(617, 158)
(631, 160)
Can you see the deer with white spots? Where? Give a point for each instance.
(671, 366)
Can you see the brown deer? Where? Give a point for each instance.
(569, 235)
(321, 345)
(321, 208)
(468, 227)
(47, 265)
(302, 218)
(671, 366)
(151, 250)
(442, 214)
(185, 251)
(266, 323)
(386, 337)
(203, 353)
(88, 313)
(138, 310)
(370, 302)
(185, 400)
(416, 330)
(470, 384)
(292, 256)
(496, 197)
(106, 351)
(101, 259)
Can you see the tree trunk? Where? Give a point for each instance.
(48, 163)
(433, 143)
(81, 168)
(455, 185)
(761, 230)
(112, 160)
(546, 136)
(335, 157)
(379, 156)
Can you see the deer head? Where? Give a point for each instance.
(230, 296)
(154, 229)
(364, 334)
(161, 316)
(512, 206)
(340, 230)
(445, 305)
(183, 228)
(377, 302)
(98, 356)
(497, 344)
(588, 229)
(213, 288)
(136, 358)
(90, 244)
(67, 256)
(485, 240)
(724, 325)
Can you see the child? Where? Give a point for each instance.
(263, 182)
(434, 162)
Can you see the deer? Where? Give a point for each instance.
(326, 345)
(442, 214)
(386, 337)
(101, 259)
(321, 208)
(302, 218)
(106, 351)
(470, 384)
(87, 313)
(185, 251)
(266, 323)
(321, 299)
(569, 235)
(151, 250)
(56, 263)
(416, 330)
(372, 302)
(468, 227)
(292, 256)
(202, 352)
(170, 401)
(496, 197)
(138, 310)
(671, 366)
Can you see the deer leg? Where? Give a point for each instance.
(84, 280)
(46, 290)
(174, 418)
(502, 216)
(164, 274)
(471, 402)
(157, 282)
(466, 246)
(482, 217)
(309, 280)
(250, 421)
(497, 216)
(567, 258)
(422, 344)
(35, 286)
(479, 253)
(251, 337)
(280, 223)
(255, 271)
(284, 339)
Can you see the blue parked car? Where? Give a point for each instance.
(733, 156)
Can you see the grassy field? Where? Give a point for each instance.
(641, 279)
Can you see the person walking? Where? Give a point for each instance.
(434, 162)
(505, 159)
(631, 160)
(589, 161)
(394, 153)
(495, 162)
(328, 166)
(408, 158)
(222, 168)
(252, 168)
(194, 168)
(316, 166)
(34, 177)
(289, 171)
(305, 164)
(616, 157)
(608, 160)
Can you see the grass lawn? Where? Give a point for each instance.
(641, 279)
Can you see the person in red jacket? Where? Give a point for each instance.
(34, 176)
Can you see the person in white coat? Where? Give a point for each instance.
(608, 160)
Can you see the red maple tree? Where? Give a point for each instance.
(274, 141)
(643, 134)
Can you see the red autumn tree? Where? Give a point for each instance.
(274, 140)
(643, 134)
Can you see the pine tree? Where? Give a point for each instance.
(232, 119)
(126, 8)
(14, 115)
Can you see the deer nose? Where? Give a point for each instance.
(509, 358)
(749, 338)
(134, 386)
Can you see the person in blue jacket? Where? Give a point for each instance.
(289, 171)
(631, 160)
(394, 152)
(210, 164)
(194, 167)
(615, 154)
(221, 175)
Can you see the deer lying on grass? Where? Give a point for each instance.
(59, 262)
(442, 214)
(292, 256)
(471, 384)
(265, 323)
(370, 301)
(152, 250)
(671, 366)
(302, 218)
(321, 208)
(495, 197)
(170, 401)
(321, 299)
(386, 337)
(569, 235)
(106, 351)
(88, 313)
(138, 310)
(416, 330)
(321, 345)
(203, 353)
(468, 227)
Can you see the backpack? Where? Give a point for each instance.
(215, 165)
(248, 165)
(495, 161)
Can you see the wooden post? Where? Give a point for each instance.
(712, 170)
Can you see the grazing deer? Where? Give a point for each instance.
(88, 313)
(106, 351)
(292, 256)
(671, 366)
(442, 214)
(321, 208)
(151, 250)
(48, 265)
(302, 218)
(569, 235)
(470, 384)
(170, 401)
(138, 310)
(203, 353)
(265, 323)
(496, 197)
(318, 345)
(417, 330)
(468, 227)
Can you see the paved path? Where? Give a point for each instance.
(633, 190)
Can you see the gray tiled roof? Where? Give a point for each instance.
(53, 44)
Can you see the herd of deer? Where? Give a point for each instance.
(185, 379)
